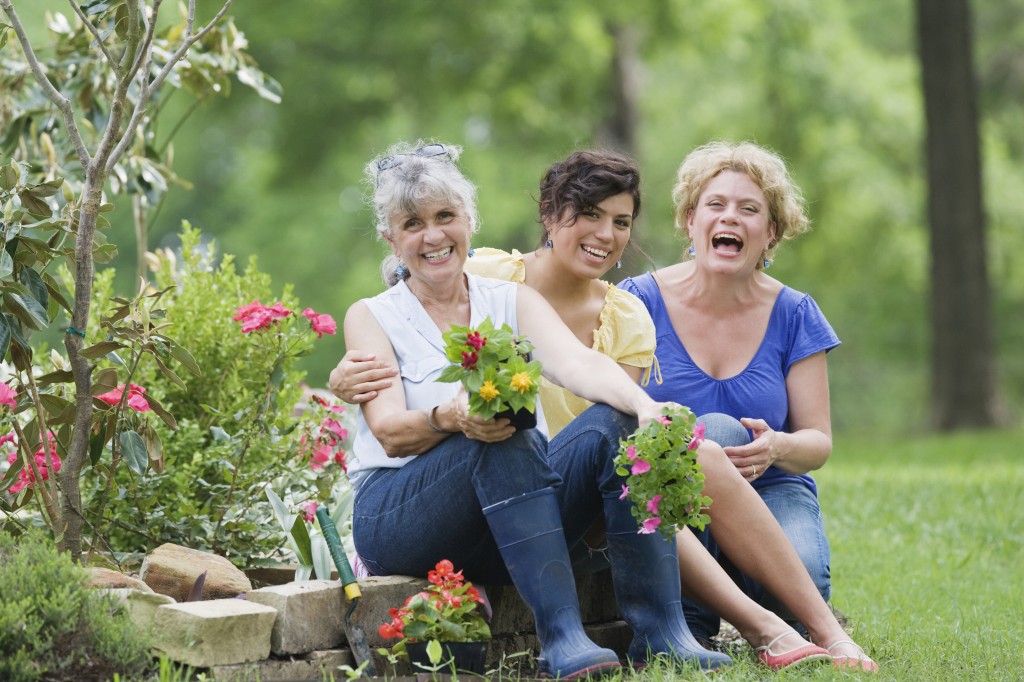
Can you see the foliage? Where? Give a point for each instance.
(494, 367)
(236, 428)
(54, 628)
(445, 612)
(663, 478)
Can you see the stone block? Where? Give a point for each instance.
(310, 615)
(140, 605)
(172, 570)
(314, 667)
(217, 632)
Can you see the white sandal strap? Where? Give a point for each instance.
(768, 647)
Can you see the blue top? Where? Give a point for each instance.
(796, 330)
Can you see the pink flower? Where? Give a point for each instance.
(652, 504)
(26, 477)
(625, 492)
(641, 467)
(339, 459)
(631, 453)
(321, 455)
(698, 436)
(256, 316)
(7, 395)
(9, 438)
(334, 427)
(664, 420)
(136, 397)
(308, 509)
(649, 526)
(322, 323)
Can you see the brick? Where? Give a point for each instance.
(309, 615)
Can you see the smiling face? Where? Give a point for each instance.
(432, 241)
(730, 228)
(592, 243)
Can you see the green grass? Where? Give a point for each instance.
(927, 540)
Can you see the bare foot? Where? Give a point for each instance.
(848, 654)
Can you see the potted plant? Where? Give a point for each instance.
(663, 477)
(441, 625)
(494, 366)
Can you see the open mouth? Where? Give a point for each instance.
(438, 255)
(725, 242)
(596, 253)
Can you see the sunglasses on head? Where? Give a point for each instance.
(426, 151)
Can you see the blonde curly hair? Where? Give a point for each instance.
(786, 206)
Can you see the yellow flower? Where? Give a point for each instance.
(488, 391)
(522, 382)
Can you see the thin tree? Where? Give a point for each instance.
(132, 59)
(963, 361)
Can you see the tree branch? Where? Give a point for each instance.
(59, 100)
(95, 33)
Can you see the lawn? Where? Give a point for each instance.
(927, 550)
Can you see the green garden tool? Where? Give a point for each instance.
(356, 637)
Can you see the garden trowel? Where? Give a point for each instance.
(356, 637)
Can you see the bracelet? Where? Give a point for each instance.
(430, 420)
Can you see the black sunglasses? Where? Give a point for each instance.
(426, 151)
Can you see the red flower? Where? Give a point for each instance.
(7, 395)
(322, 323)
(334, 427)
(475, 341)
(339, 459)
(136, 397)
(26, 477)
(469, 360)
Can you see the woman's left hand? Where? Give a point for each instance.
(752, 459)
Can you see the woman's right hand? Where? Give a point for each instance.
(475, 428)
(359, 376)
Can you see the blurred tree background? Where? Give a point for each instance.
(835, 87)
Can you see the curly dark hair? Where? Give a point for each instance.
(583, 180)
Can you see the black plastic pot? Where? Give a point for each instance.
(469, 657)
(522, 419)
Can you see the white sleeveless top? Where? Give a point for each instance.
(419, 348)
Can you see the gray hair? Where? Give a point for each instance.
(408, 176)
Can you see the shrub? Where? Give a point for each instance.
(54, 628)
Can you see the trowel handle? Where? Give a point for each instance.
(330, 531)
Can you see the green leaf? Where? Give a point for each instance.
(100, 349)
(36, 286)
(300, 536)
(322, 562)
(6, 264)
(134, 450)
(27, 309)
(54, 405)
(8, 173)
(186, 359)
(434, 651)
(5, 336)
(287, 520)
(34, 205)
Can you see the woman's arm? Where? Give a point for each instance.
(400, 431)
(359, 376)
(568, 363)
(809, 444)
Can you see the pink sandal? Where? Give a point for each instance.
(860, 662)
(798, 656)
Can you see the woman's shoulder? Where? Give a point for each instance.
(497, 264)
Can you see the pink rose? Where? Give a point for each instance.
(7, 395)
(136, 397)
(322, 323)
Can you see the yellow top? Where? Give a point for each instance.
(625, 333)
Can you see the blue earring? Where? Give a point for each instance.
(692, 252)
(471, 252)
(401, 272)
(548, 243)
(767, 263)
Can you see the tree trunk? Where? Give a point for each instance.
(627, 69)
(964, 382)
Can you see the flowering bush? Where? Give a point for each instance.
(663, 477)
(494, 366)
(445, 612)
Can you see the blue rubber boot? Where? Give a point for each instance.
(645, 573)
(528, 530)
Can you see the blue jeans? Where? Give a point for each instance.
(796, 509)
(407, 519)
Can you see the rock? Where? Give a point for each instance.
(217, 632)
(172, 570)
(108, 579)
(310, 615)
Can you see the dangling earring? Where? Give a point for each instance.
(471, 252)
(767, 263)
(401, 271)
(692, 252)
(548, 244)
(618, 265)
